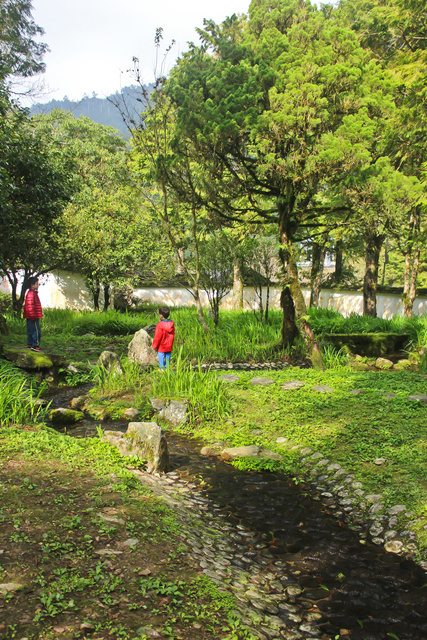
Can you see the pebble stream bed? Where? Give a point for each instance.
(295, 567)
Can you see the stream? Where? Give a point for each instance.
(288, 556)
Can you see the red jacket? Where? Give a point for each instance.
(32, 306)
(164, 336)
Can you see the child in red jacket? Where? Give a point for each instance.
(33, 313)
(164, 337)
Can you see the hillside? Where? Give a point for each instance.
(101, 110)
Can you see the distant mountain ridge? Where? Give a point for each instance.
(100, 110)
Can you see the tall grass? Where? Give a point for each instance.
(205, 392)
(17, 397)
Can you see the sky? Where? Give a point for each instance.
(92, 42)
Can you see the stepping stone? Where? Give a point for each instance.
(357, 392)
(291, 385)
(263, 382)
(227, 377)
(418, 397)
(322, 388)
(387, 394)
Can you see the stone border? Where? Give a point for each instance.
(331, 481)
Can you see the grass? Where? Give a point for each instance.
(62, 500)
(350, 430)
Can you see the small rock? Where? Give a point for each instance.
(379, 461)
(131, 542)
(374, 497)
(357, 392)
(227, 377)
(398, 508)
(393, 546)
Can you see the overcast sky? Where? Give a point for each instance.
(92, 42)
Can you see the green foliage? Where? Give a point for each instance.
(18, 397)
(205, 392)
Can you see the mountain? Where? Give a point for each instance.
(101, 110)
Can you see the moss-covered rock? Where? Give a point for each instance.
(64, 417)
(402, 365)
(33, 360)
(368, 344)
(100, 412)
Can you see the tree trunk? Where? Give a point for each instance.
(290, 265)
(238, 286)
(289, 327)
(317, 264)
(374, 243)
(196, 296)
(106, 297)
(267, 301)
(412, 260)
(18, 300)
(338, 261)
(96, 290)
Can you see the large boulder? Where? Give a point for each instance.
(145, 440)
(140, 350)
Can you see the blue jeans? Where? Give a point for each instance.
(33, 333)
(164, 359)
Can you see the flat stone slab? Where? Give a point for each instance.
(251, 451)
(357, 392)
(322, 388)
(418, 397)
(263, 382)
(227, 377)
(10, 586)
(291, 385)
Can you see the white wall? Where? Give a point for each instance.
(68, 291)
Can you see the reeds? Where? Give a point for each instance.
(205, 391)
(18, 398)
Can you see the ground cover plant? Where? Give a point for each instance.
(88, 551)
(353, 430)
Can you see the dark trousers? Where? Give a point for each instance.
(33, 333)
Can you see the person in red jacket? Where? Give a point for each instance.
(164, 337)
(32, 314)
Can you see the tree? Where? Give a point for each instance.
(107, 232)
(216, 268)
(20, 55)
(36, 187)
(396, 32)
(261, 256)
(257, 99)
